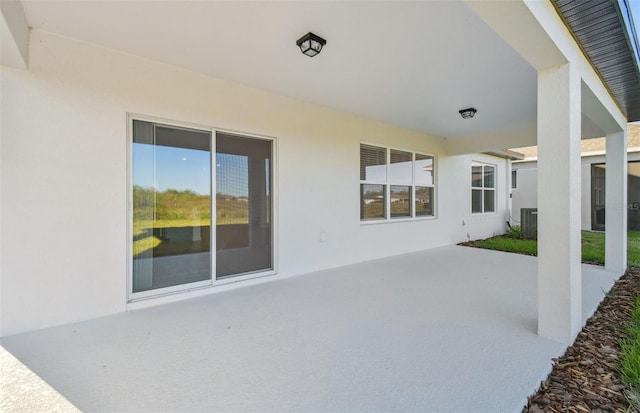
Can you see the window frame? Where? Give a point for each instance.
(388, 183)
(483, 188)
(514, 179)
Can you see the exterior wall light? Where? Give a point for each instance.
(310, 44)
(467, 113)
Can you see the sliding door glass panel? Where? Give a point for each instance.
(171, 206)
(243, 205)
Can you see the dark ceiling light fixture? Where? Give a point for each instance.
(310, 44)
(467, 113)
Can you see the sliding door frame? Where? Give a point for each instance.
(132, 297)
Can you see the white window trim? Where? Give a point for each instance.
(484, 188)
(135, 300)
(387, 184)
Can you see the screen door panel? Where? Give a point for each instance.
(243, 205)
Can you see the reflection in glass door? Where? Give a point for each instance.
(243, 205)
(171, 172)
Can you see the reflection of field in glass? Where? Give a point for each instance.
(175, 222)
(373, 210)
(397, 209)
(148, 235)
(423, 203)
(231, 210)
(173, 237)
(421, 209)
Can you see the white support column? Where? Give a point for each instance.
(559, 238)
(616, 203)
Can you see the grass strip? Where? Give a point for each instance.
(502, 243)
(630, 351)
(593, 246)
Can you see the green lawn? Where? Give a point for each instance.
(633, 248)
(592, 246)
(630, 348)
(144, 238)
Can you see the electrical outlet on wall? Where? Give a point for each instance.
(323, 236)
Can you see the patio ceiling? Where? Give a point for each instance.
(411, 64)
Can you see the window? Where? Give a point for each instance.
(395, 184)
(483, 192)
(514, 179)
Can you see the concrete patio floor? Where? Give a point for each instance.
(451, 329)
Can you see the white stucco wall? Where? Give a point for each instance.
(525, 196)
(64, 177)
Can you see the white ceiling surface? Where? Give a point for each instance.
(412, 64)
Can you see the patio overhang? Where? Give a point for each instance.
(605, 32)
(537, 31)
(572, 103)
(523, 71)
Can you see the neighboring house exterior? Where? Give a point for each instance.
(120, 120)
(524, 182)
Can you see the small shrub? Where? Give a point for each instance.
(515, 232)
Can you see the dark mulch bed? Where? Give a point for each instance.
(585, 378)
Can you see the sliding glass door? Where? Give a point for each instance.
(171, 173)
(173, 181)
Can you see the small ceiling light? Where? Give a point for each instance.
(467, 113)
(310, 44)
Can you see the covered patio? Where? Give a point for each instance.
(391, 315)
(448, 329)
